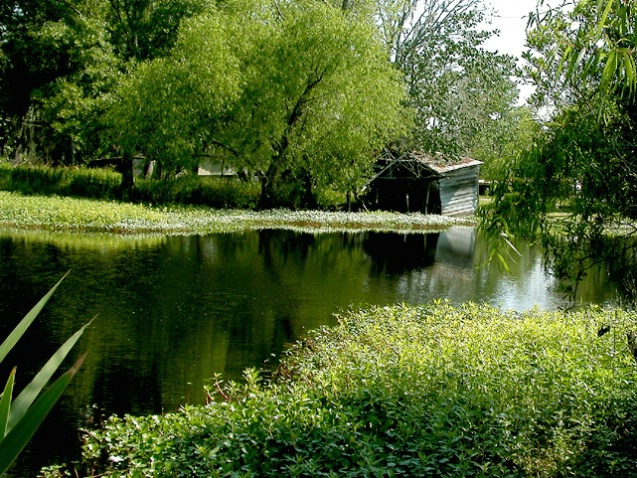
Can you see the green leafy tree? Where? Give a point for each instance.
(169, 108)
(509, 134)
(299, 94)
(461, 92)
(592, 40)
(35, 40)
(58, 61)
(320, 97)
(574, 188)
(146, 29)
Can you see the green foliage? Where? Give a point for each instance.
(78, 182)
(203, 191)
(21, 417)
(331, 111)
(146, 29)
(105, 184)
(60, 61)
(433, 390)
(168, 109)
(593, 40)
(509, 135)
(235, 87)
(582, 163)
(463, 94)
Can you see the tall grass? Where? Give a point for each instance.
(436, 390)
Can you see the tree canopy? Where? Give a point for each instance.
(575, 187)
(168, 108)
(57, 60)
(315, 97)
(461, 92)
(301, 94)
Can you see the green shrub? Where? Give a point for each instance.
(105, 184)
(198, 190)
(44, 180)
(435, 390)
(93, 183)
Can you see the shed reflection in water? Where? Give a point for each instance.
(173, 311)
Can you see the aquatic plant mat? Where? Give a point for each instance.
(435, 390)
(85, 215)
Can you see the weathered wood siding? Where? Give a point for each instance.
(459, 191)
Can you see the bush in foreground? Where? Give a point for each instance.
(435, 390)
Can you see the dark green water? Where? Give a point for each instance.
(174, 311)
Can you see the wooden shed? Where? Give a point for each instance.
(427, 183)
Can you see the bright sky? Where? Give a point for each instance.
(511, 19)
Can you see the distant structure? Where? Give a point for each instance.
(211, 167)
(421, 182)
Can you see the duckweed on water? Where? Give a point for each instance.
(71, 214)
(434, 390)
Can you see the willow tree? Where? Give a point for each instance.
(169, 108)
(319, 98)
(59, 59)
(299, 94)
(583, 164)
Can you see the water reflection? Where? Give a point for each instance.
(173, 311)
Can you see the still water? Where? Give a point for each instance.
(174, 311)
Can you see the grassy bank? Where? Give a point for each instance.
(85, 215)
(435, 390)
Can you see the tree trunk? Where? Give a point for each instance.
(128, 181)
(269, 181)
(309, 198)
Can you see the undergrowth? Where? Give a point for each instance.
(434, 390)
(105, 184)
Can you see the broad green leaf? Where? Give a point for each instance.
(609, 68)
(565, 59)
(24, 324)
(602, 21)
(13, 443)
(503, 261)
(23, 401)
(5, 403)
(628, 63)
(580, 57)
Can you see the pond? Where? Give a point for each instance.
(174, 311)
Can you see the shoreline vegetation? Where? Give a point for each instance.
(431, 390)
(55, 213)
